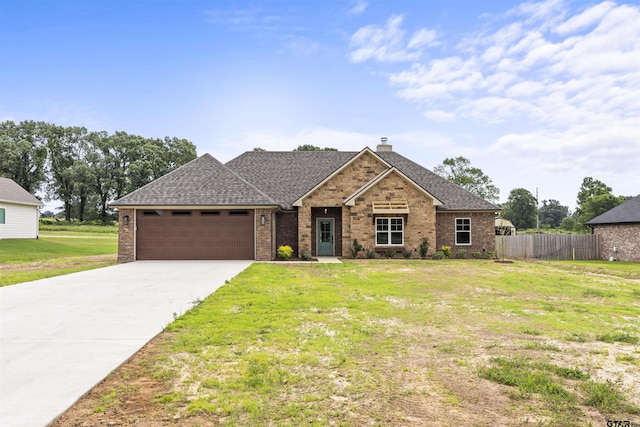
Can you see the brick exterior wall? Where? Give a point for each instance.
(331, 195)
(287, 230)
(265, 235)
(126, 236)
(419, 223)
(358, 221)
(483, 235)
(625, 237)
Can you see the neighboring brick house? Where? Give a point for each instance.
(618, 231)
(318, 201)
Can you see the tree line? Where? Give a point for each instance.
(522, 209)
(82, 169)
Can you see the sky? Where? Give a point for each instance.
(538, 95)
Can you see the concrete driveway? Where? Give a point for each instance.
(61, 336)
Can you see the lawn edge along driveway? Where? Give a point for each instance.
(61, 336)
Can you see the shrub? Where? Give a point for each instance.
(285, 252)
(446, 250)
(491, 254)
(305, 254)
(355, 248)
(424, 247)
(390, 253)
(438, 255)
(371, 253)
(406, 254)
(461, 253)
(476, 254)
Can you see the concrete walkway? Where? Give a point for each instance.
(329, 260)
(61, 336)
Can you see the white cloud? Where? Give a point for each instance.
(389, 43)
(560, 84)
(358, 8)
(439, 115)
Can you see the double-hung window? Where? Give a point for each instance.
(463, 231)
(389, 231)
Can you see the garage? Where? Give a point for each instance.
(166, 234)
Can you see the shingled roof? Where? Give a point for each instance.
(279, 178)
(287, 176)
(628, 212)
(12, 192)
(202, 182)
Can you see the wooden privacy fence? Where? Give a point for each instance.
(548, 246)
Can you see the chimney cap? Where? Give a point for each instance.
(384, 139)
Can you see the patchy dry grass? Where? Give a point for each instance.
(389, 343)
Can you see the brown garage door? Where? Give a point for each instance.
(195, 234)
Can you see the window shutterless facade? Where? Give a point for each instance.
(463, 231)
(389, 231)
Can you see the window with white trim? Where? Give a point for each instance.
(2, 215)
(389, 231)
(463, 231)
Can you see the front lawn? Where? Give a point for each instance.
(390, 342)
(55, 253)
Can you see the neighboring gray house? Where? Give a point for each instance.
(19, 211)
(315, 201)
(619, 231)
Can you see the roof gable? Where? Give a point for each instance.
(12, 192)
(286, 175)
(628, 212)
(365, 151)
(202, 182)
(350, 201)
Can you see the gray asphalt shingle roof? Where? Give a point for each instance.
(280, 178)
(203, 181)
(287, 176)
(627, 212)
(11, 191)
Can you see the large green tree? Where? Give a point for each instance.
(23, 153)
(595, 198)
(521, 208)
(459, 171)
(552, 213)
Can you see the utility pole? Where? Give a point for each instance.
(537, 213)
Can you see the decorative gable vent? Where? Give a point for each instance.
(391, 207)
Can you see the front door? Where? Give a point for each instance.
(324, 235)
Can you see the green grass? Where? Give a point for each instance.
(55, 253)
(368, 342)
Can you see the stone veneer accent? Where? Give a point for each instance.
(265, 235)
(331, 195)
(358, 221)
(625, 237)
(126, 236)
(483, 235)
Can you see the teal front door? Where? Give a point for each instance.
(324, 235)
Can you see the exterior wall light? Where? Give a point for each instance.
(263, 219)
(125, 220)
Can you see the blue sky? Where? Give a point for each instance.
(537, 95)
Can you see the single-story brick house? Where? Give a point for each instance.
(619, 231)
(19, 211)
(318, 201)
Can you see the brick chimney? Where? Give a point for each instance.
(383, 146)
